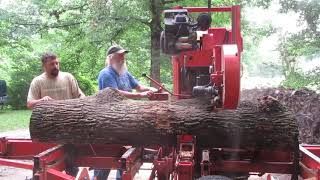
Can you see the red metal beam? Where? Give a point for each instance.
(58, 175)
(262, 155)
(196, 58)
(247, 166)
(164, 167)
(315, 149)
(14, 163)
(131, 155)
(58, 165)
(206, 9)
(52, 154)
(236, 27)
(99, 162)
(307, 173)
(129, 173)
(185, 170)
(101, 150)
(309, 159)
(52, 158)
(21, 148)
(176, 74)
(310, 162)
(132, 161)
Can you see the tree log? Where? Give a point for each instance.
(109, 118)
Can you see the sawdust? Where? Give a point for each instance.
(107, 95)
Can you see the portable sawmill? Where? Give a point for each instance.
(206, 64)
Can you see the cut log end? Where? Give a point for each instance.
(270, 104)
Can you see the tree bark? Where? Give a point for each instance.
(108, 118)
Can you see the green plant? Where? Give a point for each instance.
(22, 73)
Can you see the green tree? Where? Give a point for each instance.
(80, 32)
(293, 46)
(305, 43)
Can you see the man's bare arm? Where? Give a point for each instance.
(142, 88)
(135, 95)
(32, 103)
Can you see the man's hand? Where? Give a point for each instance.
(32, 103)
(147, 94)
(153, 89)
(46, 98)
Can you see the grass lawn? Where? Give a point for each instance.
(14, 119)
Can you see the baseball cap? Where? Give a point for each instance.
(116, 49)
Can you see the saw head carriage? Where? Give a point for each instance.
(205, 59)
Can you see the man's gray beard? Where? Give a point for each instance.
(120, 68)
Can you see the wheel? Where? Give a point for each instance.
(214, 177)
(230, 62)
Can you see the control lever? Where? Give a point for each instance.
(164, 88)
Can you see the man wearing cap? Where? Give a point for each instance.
(52, 84)
(115, 75)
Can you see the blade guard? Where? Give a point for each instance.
(231, 76)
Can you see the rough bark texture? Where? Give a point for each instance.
(107, 118)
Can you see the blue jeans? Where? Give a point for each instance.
(102, 174)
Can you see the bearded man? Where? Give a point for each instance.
(116, 75)
(52, 84)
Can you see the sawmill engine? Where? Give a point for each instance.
(180, 32)
(205, 59)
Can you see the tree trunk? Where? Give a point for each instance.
(156, 7)
(108, 118)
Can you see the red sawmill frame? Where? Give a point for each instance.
(50, 161)
(310, 161)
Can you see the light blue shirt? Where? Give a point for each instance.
(108, 77)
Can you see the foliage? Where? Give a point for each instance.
(22, 72)
(314, 76)
(304, 43)
(296, 80)
(80, 31)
